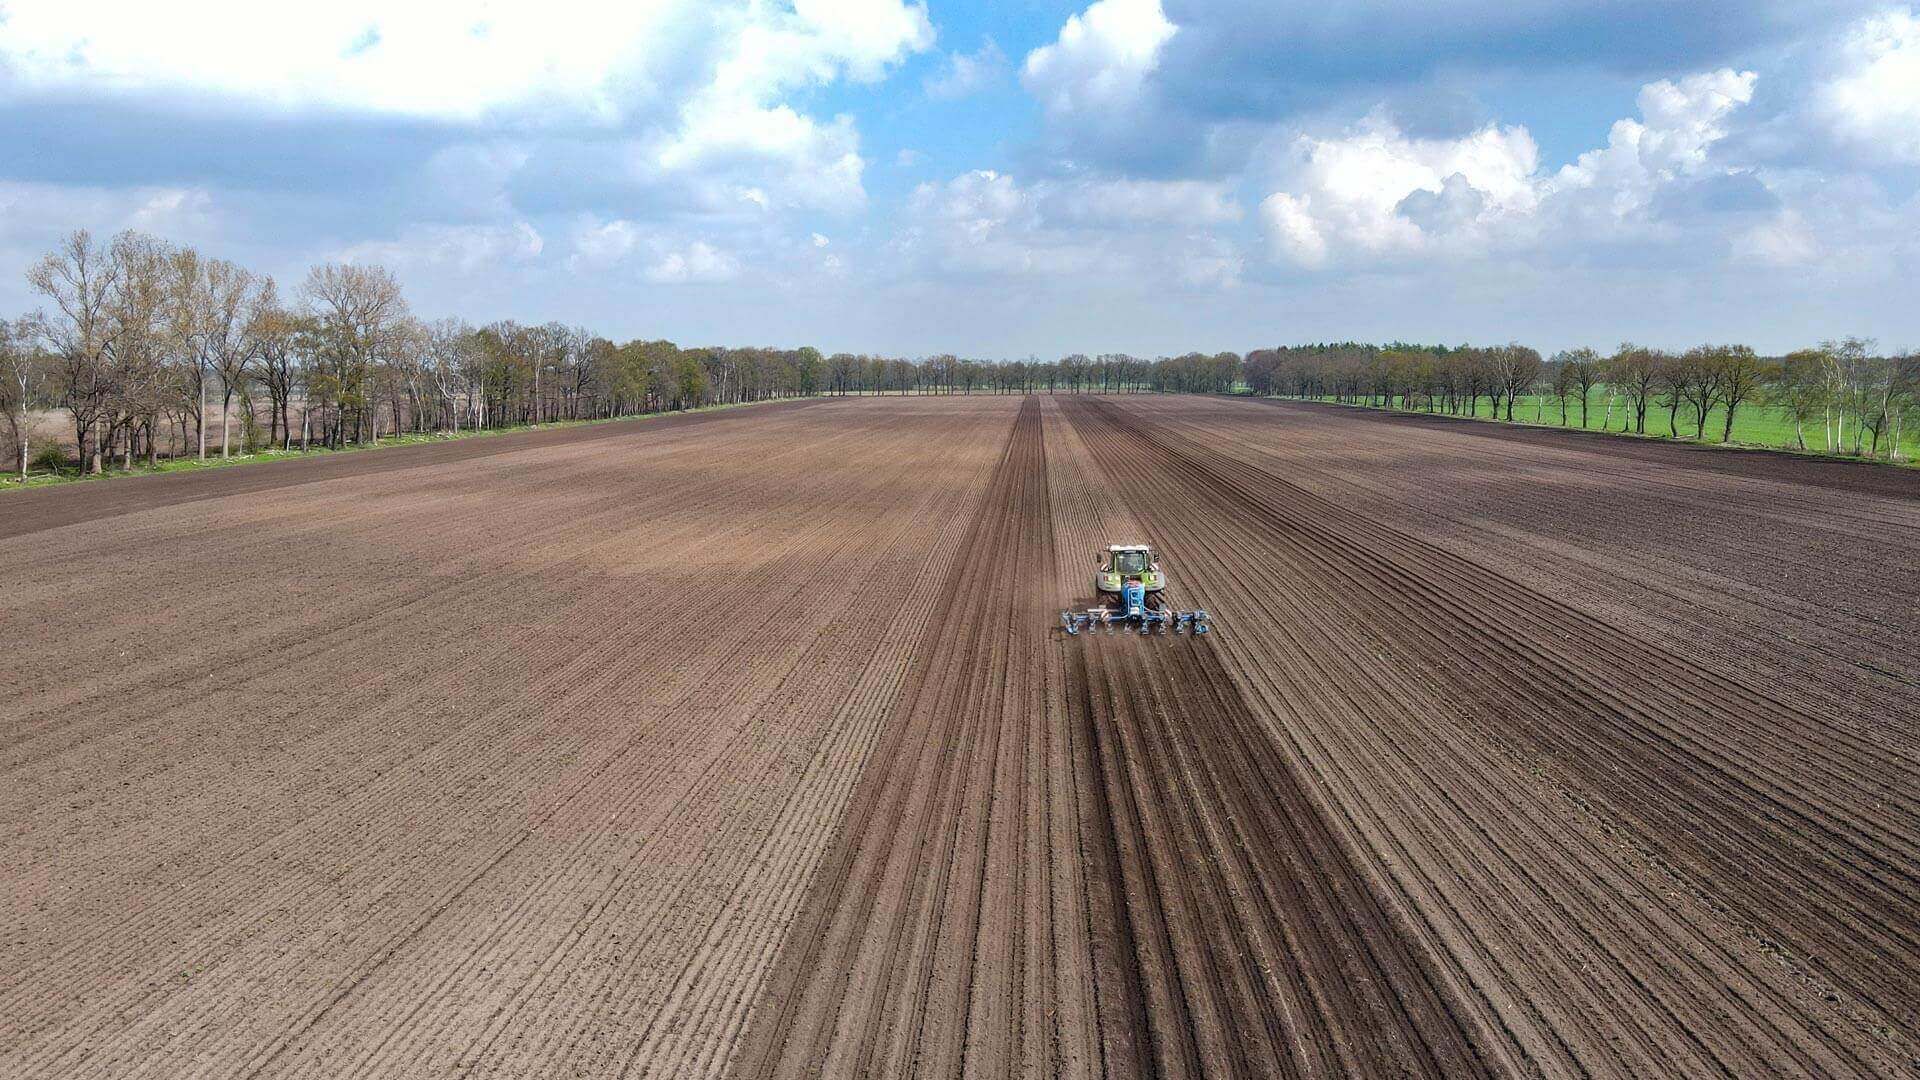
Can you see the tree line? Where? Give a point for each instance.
(1842, 397)
(1107, 373)
(150, 349)
(153, 350)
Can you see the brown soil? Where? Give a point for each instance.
(746, 743)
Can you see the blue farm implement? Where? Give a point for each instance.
(1135, 610)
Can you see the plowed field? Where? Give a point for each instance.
(745, 743)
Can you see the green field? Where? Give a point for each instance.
(1755, 425)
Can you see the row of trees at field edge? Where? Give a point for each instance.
(155, 350)
(1855, 399)
(146, 347)
(152, 349)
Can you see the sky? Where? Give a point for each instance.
(1003, 180)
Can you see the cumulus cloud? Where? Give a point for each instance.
(1374, 191)
(980, 222)
(986, 223)
(662, 259)
(438, 58)
(741, 116)
(461, 248)
(965, 74)
(1680, 124)
(1101, 58)
(703, 92)
(1874, 99)
(698, 262)
(599, 244)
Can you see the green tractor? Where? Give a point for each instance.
(1131, 585)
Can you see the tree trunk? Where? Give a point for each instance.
(226, 425)
(200, 414)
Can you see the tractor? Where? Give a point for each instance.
(1132, 587)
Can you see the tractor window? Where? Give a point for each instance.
(1129, 562)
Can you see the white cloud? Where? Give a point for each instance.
(1374, 191)
(968, 73)
(1352, 190)
(598, 244)
(698, 262)
(438, 57)
(1101, 58)
(701, 88)
(1783, 241)
(1209, 262)
(792, 158)
(740, 118)
(982, 223)
(463, 248)
(444, 58)
(602, 245)
(987, 224)
(820, 241)
(1681, 123)
(1293, 230)
(1126, 201)
(34, 216)
(1875, 100)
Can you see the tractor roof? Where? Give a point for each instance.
(1128, 547)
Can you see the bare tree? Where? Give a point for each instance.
(146, 377)
(1797, 385)
(191, 331)
(358, 320)
(79, 278)
(1584, 370)
(450, 360)
(227, 297)
(1635, 373)
(1739, 374)
(1515, 369)
(272, 333)
(1562, 384)
(23, 383)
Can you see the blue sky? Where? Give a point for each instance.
(999, 180)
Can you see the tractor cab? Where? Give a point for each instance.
(1123, 563)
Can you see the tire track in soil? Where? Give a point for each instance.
(877, 976)
(1746, 944)
(1230, 934)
